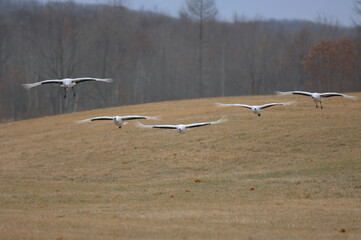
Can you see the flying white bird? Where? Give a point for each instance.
(317, 97)
(255, 109)
(182, 128)
(66, 83)
(118, 120)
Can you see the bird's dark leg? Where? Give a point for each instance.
(321, 105)
(120, 126)
(316, 105)
(73, 91)
(259, 114)
(64, 92)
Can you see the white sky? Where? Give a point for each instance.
(335, 10)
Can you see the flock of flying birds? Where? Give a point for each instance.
(68, 83)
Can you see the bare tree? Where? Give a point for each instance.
(201, 11)
(357, 10)
(60, 36)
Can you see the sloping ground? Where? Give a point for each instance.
(293, 173)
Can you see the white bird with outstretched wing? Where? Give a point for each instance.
(118, 120)
(66, 83)
(317, 97)
(255, 109)
(182, 128)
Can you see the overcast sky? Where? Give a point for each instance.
(340, 10)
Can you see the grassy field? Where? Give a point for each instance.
(293, 173)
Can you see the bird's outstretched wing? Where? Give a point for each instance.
(295, 92)
(221, 120)
(31, 85)
(274, 104)
(95, 119)
(233, 105)
(138, 117)
(86, 79)
(138, 124)
(334, 94)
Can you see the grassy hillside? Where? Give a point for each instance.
(293, 173)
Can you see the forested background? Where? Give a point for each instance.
(154, 57)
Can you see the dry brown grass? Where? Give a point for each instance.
(62, 180)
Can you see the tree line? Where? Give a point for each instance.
(154, 57)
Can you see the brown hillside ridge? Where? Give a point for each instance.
(293, 173)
